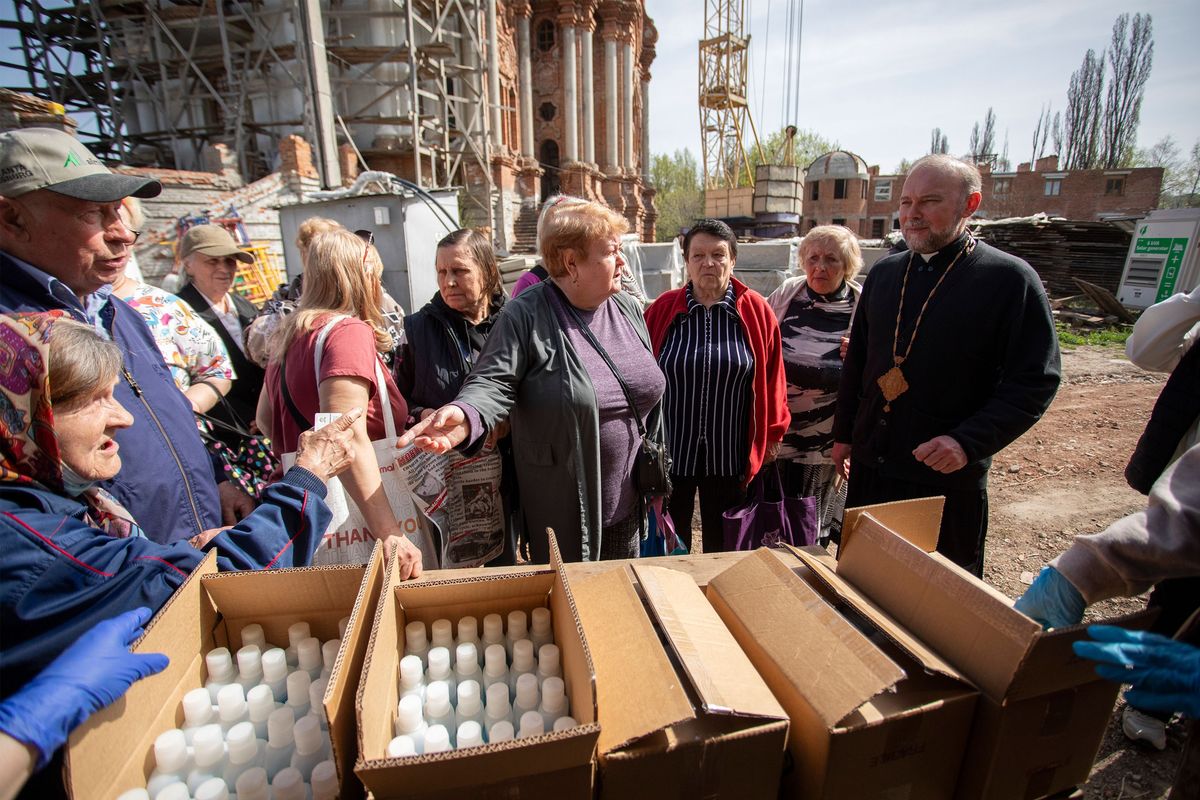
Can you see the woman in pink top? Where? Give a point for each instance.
(342, 278)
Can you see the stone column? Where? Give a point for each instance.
(646, 129)
(612, 161)
(589, 97)
(570, 95)
(526, 82)
(627, 105)
(494, 101)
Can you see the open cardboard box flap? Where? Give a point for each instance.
(719, 671)
(792, 626)
(919, 521)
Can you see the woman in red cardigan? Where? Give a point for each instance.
(725, 409)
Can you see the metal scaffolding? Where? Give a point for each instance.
(724, 105)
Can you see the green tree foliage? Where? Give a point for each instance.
(806, 145)
(1181, 176)
(680, 200)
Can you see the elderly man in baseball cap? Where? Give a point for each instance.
(62, 244)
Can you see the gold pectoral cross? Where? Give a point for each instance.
(893, 384)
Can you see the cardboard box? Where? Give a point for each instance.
(697, 722)
(113, 750)
(878, 717)
(1042, 711)
(557, 765)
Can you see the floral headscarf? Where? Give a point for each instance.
(29, 451)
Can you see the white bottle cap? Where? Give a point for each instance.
(288, 785)
(208, 746)
(523, 656)
(274, 665)
(411, 672)
(231, 702)
(197, 708)
(308, 651)
(249, 660)
(219, 665)
(497, 698)
(468, 698)
(468, 630)
(136, 794)
(308, 735)
(439, 664)
(253, 634)
(243, 746)
(297, 688)
(316, 696)
(170, 750)
(212, 789)
(470, 734)
(343, 623)
(442, 633)
(548, 660)
(532, 724)
(517, 625)
(437, 700)
(527, 690)
(324, 780)
(437, 739)
(539, 622)
(415, 640)
(401, 746)
(495, 660)
(502, 731)
(466, 658)
(279, 728)
(252, 783)
(329, 653)
(493, 629)
(554, 697)
(260, 702)
(174, 791)
(564, 723)
(298, 632)
(408, 714)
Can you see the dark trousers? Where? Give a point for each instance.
(964, 517)
(718, 494)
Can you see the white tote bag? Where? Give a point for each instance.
(348, 539)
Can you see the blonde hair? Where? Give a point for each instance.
(838, 238)
(342, 277)
(310, 228)
(576, 226)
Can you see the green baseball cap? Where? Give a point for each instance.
(211, 240)
(46, 158)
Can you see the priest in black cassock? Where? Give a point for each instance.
(952, 356)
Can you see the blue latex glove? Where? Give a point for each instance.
(1052, 600)
(1164, 673)
(85, 678)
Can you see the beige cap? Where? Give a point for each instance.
(211, 240)
(45, 158)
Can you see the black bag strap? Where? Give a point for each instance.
(540, 271)
(287, 396)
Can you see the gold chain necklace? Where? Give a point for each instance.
(892, 382)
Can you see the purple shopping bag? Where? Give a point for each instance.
(760, 522)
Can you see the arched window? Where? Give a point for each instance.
(546, 35)
(548, 156)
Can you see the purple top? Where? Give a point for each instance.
(524, 282)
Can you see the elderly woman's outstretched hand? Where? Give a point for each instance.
(329, 451)
(439, 432)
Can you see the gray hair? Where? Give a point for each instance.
(972, 183)
(81, 363)
(838, 238)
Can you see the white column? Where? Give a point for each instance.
(646, 130)
(494, 77)
(570, 95)
(589, 100)
(610, 105)
(627, 105)
(523, 67)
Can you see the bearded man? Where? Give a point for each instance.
(952, 356)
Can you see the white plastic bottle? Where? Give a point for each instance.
(275, 672)
(324, 781)
(531, 725)
(495, 666)
(170, 760)
(441, 634)
(245, 752)
(329, 654)
(253, 634)
(208, 755)
(437, 739)
(468, 633)
(518, 628)
(308, 657)
(289, 785)
(280, 741)
(540, 632)
(554, 701)
(198, 711)
(297, 632)
(401, 746)
(297, 693)
(523, 662)
(438, 710)
(252, 785)
(501, 731)
(249, 661)
(231, 706)
(439, 669)
(316, 702)
(564, 723)
(470, 704)
(219, 664)
(410, 721)
(311, 746)
(548, 665)
(493, 631)
(526, 698)
(343, 623)
(261, 704)
(211, 789)
(416, 643)
(469, 734)
(498, 708)
(412, 677)
(466, 663)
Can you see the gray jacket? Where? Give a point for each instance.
(531, 373)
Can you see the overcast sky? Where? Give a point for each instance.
(877, 77)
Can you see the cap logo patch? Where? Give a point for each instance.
(15, 172)
(72, 160)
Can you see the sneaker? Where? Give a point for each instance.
(1140, 726)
